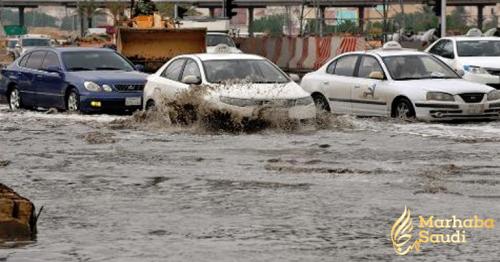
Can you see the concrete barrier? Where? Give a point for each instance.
(300, 53)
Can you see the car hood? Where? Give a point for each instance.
(110, 77)
(483, 61)
(289, 90)
(450, 86)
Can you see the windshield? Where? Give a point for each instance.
(478, 48)
(36, 42)
(410, 67)
(252, 71)
(11, 43)
(95, 60)
(213, 40)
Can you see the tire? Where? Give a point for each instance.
(150, 105)
(403, 109)
(14, 98)
(73, 101)
(322, 105)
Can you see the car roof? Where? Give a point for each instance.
(472, 38)
(72, 49)
(391, 52)
(226, 56)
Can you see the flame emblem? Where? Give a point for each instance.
(401, 234)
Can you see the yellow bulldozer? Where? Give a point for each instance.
(151, 41)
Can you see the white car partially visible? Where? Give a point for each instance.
(394, 82)
(478, 57)
(216, 41)
(236, 82)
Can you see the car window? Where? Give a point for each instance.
(174, 69)
(471, 48)
(413, 67)
(191, 68)
(443, 48)
(345, 65)
(331, 67)
(35, 60)
(50, 59)
(24, 60)
(437, 48)
(368, 64)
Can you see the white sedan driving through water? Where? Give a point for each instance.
(401, 83)
(237, 82)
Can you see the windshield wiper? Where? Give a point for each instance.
(80, 69)
(409, 78)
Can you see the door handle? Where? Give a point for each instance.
(357, 86)
(325, 82)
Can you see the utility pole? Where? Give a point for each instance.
(385, 7)
(443, 18)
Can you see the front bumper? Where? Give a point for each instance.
(432, 111)
(302, 112)
(487, 79)
(110, 102)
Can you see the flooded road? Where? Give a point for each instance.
(177, 194)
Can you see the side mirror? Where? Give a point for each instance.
(191, 80)
(139, 68)
(18, 46)
(376, 75)
(238, 45)
(461, 72)
(295, 77)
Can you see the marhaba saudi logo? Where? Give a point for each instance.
(404, 241)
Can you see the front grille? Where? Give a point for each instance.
(129, 88)
(496, 86)
(472, 97)
(493, 71)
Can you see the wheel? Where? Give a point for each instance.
(404, 110)
(73, 101)
(14, 99)
(150, 105)
(322, 105)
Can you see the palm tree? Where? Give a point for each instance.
(116, 10)
(88, 9)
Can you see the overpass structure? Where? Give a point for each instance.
(251, 4)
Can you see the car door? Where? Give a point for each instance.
(23, 80)
(31, 69)
(368, 96)
(50, 85)
(168, 81)
(339, 82)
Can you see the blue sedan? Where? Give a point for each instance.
(73, 79)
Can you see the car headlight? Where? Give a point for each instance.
(107, 88)
(494, 95)
(440, 96)
(238, 101)
(91, 86)
(475, 69)
(304, 101)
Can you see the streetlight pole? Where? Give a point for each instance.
(443, 18)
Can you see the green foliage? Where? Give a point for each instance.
(31, 18)
(167, 9)
(144, 7)
(344, 26)
(272, 25)
(419, 21)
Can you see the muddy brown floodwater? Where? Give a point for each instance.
(176, 194)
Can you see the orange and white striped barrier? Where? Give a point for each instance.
(300, 53)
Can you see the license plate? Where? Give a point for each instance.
(132, 101)
(474, 109)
